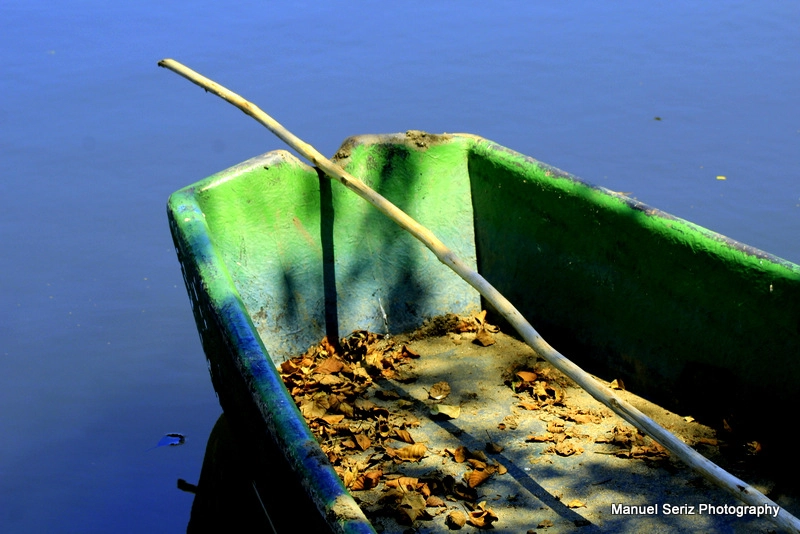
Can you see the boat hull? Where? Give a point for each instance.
(275, 257)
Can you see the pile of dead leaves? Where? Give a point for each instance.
(328, 384)
(630, 443)
(331, 384)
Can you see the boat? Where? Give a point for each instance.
(275, 257)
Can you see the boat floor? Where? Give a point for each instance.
(568, 460)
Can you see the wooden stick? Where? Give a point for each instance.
(699, 463)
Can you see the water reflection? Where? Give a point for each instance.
(236, 493)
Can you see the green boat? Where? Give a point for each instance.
(275, 257)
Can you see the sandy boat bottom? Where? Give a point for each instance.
(568, 463)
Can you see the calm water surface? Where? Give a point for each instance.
(100, 353)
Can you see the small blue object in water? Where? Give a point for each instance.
(172, 439)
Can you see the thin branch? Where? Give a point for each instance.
(696, 461)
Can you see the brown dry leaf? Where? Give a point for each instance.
(363, 441)
(477, 464)
(566, 448)
(434, 502)
(367, 480)
(576, 503)
(583, 418)
(455, 520)
(753, 447)
(314, 407)
(439, 390)
(402, 435)
(482, 517)
(478, 476)
(708, 441)
(333, 419)
(412, 506)
(404, 483)
(330, 365)
(528, 406)
(617, 383)
(484, 338)
(459, 455)
(406, 352)
(412, 453)
(527, 376)
(544, 523)
(555, 427)
(325, 346)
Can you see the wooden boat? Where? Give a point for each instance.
(276, 257)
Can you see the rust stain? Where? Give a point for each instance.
(304, 232)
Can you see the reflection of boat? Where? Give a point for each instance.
(229, 497)
(275, 258)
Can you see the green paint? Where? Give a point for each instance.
(275, 257)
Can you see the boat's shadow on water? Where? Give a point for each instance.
(231, 496)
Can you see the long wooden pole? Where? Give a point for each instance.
(710, 470)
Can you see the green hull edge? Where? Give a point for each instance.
(275, 257)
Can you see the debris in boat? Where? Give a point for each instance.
(633, 444)
(456, 519)
(380, 409)
(482, 517)
(439, 390)
(331, 385)
(173, 439)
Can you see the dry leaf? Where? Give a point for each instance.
(617, 383)
(434, 502)
(367, 480)
(576, 503)
(527, 376)
(363, 441)
(403, 483)
(333, 419)
(412, 453)
(459, 455)
(455, 520)
(402, 435)
(474, 478)
(412, 506)
(484, 338)
(439, 390)
(555, 427)
(482, 517)
(330, 365)
(566, 448)
(406, 352)
(446, 410)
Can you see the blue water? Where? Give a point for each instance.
(99, 350)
